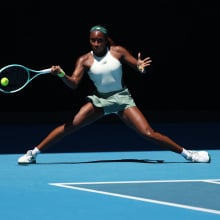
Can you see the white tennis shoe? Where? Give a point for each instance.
(199, 157)
(27, 158)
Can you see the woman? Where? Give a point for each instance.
(104, 67)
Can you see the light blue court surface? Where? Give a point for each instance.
(110, 185)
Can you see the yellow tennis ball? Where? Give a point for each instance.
(4, 81)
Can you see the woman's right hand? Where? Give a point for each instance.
(55, 70)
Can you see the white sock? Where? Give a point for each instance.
(185, 153)
(35, 151)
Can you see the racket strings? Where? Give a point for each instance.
(17, 77)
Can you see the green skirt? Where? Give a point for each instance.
(112, 102)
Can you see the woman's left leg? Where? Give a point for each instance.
(135, 119)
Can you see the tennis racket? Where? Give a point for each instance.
(18, 76)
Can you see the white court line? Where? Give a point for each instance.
(140, 181)
(212, 181)
(69, 185)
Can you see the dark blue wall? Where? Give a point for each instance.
(22, 131)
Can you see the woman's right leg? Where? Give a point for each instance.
(86, 115)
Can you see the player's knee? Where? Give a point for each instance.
(148, 133)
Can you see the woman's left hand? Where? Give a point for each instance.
(142, 64)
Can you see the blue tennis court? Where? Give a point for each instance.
(128, 184)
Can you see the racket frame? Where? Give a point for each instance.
(29, 77)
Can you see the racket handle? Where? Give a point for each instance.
(46, 70)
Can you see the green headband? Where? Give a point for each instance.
(99, 28)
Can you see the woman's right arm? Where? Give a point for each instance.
(72, 81)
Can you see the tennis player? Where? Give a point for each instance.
(103, 64)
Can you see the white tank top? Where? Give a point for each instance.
(106, 73)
